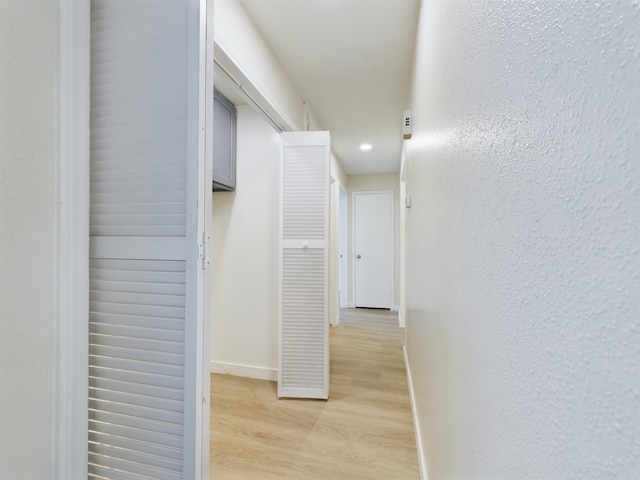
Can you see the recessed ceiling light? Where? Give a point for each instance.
(365, 147)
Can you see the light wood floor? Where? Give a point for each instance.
(364, 430)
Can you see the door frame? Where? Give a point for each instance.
(352, 252)
(71, 350)
(343, 246)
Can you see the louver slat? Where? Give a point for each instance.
(113, 467)
(304, 195)
(138, 116)
(303, 312)
(136, 372)
(304, 361)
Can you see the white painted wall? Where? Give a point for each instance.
(238, 37)
(28, 51)
(364, 183)
(338, 178)
(334, 265)
(245, 256)
(523, 239)
(402, 267)
(337, 172)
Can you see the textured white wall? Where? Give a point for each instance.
(523, 255)
(364, 183)
(402, 267)
(28, 39)
(244, 333)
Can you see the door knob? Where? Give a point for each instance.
(358, 256)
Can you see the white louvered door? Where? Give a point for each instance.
(304, 228)
(151, 85)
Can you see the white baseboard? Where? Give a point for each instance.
(422, 463)
(395, 308)
(400, 319)
(351, 305)
(248, 371)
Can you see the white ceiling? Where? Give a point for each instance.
(351, 62)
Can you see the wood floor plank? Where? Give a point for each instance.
(364, 430)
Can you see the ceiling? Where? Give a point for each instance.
(351, 62)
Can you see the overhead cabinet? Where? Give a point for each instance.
(224, 144)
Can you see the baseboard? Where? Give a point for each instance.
(400, 319)
(422, 463)
(395, 308)
(351, 305)
(248, 371)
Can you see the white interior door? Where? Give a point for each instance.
(151, 96)
(304, 265)
(373, 249)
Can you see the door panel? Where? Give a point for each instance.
(148, 187)
(373, 249)
(304, 247)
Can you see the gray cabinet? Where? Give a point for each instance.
(224, 144)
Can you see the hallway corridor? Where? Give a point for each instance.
(364, 431)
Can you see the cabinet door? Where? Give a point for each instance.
(224, 144)
(304, 246)
(151, 82)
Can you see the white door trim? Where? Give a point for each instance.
(352, 252)
(343, 246)
(71, 268)
(201, 126)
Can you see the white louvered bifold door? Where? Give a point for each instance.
(304, 228)
(149, 187)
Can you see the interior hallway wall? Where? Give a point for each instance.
(522, 239)
(244, 332)
(238, 37)
(338, 179)
(28, 52)
(402, 235)
(334, 269)
(366, 183)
